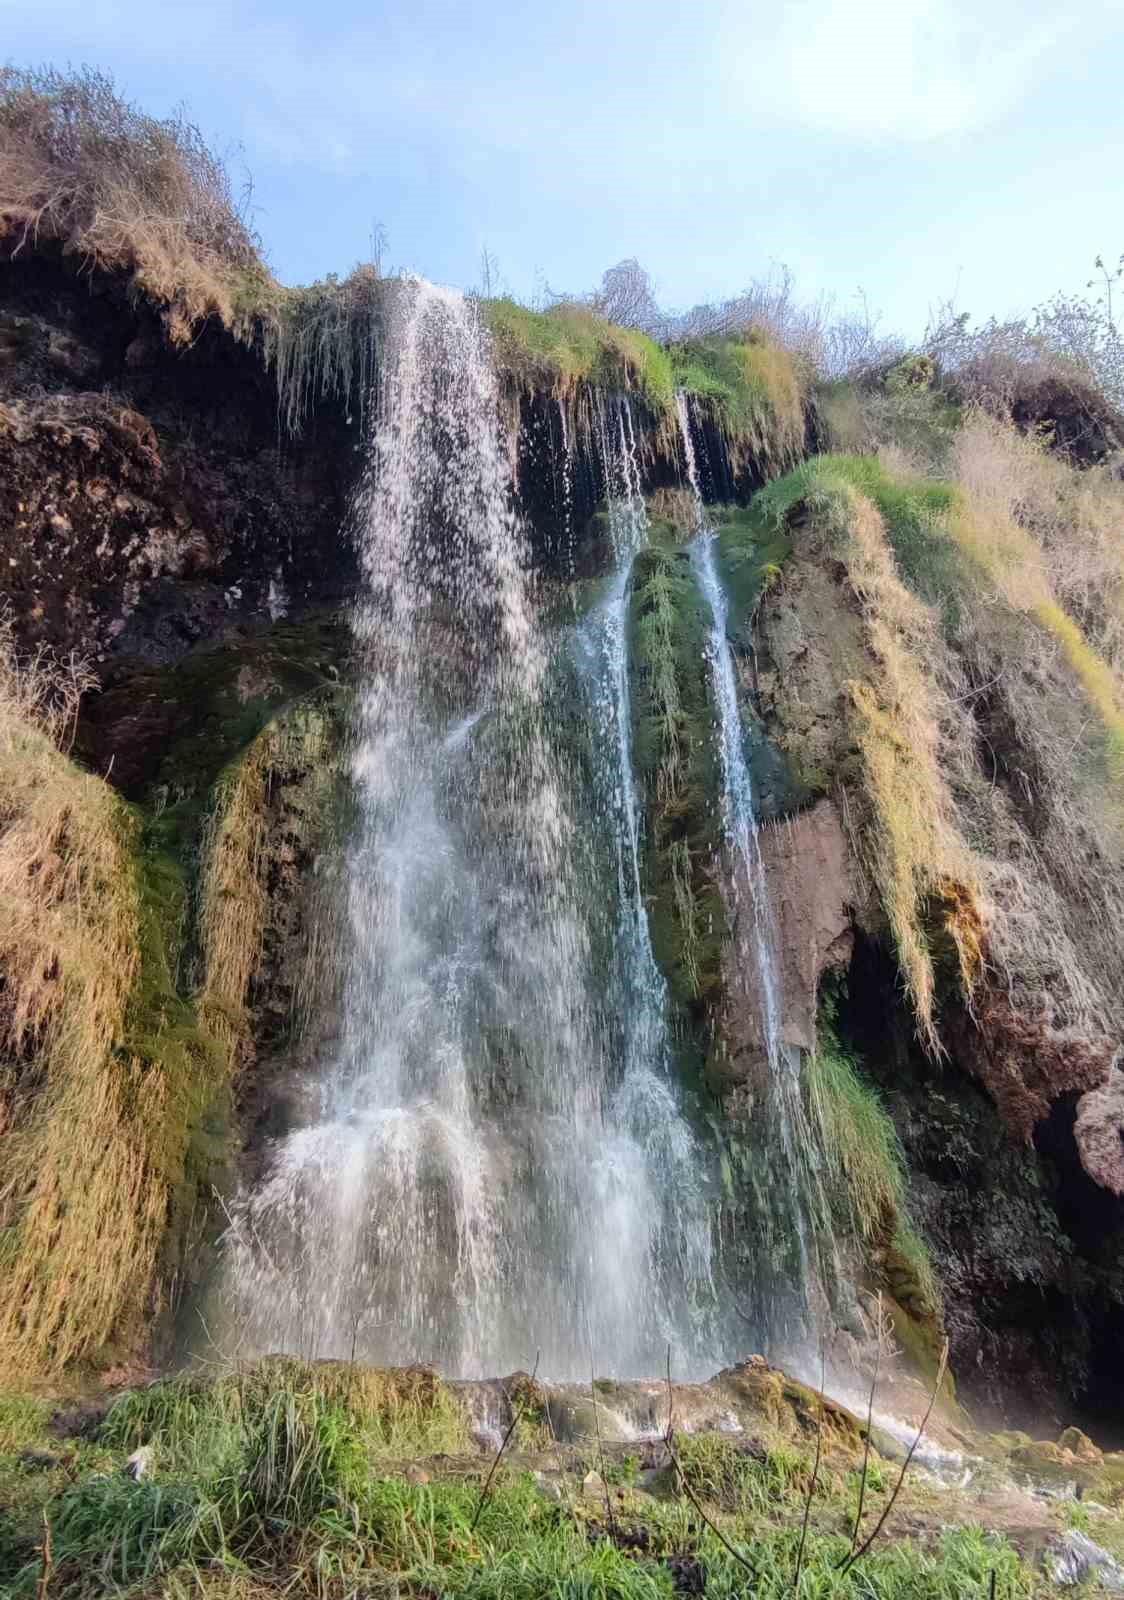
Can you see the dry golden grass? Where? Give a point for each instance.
(77, 1190)
(906, 835)
(233, 900)
(126, 192)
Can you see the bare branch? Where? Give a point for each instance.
(815, 1471)
(856, 1555)
(516, 1414)
(669, 1445)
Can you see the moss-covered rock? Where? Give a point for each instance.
(678, 772)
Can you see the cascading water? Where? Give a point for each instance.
(492, 1173)
(645, 1105)
(788, 1194)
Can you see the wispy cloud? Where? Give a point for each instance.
(902, 69)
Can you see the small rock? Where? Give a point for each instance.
(1074, 1556)
(688, 1575)
(593, 1483)
(1080, 1445)
(139, 1463)
(38, 1460)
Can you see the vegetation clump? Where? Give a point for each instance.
(982, 728)
(322, 339)
(104, 1070)
(569, 345)
(865, 1171)
(752, 390)
(284, 1477)
(677, 767)
(82, 169)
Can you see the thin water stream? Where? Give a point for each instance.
(785, 1177)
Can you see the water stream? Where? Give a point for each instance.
(785, 1179)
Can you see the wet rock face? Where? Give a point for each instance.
(808, 867)
(145, 505)
(1099, 1131)
(1026, 1063)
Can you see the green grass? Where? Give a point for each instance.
(569, 344)
(913, 509)
(865, 1164)
(298, 1509)
(752, 389)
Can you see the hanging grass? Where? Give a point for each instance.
(753, 391)
(234, 895)
(569, 345)
(105, 1070)
(865, 1164)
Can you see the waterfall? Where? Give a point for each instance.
(786, 1183)
(498, 1165)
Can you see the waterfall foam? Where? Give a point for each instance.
(499, 1165)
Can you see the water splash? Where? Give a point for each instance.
(488, 1174)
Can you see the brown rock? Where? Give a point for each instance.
(1099, 1131)
(1025, 1061)
(1080, 1445)
(808, 870)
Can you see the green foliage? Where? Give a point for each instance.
(913, 509)
(568, 345)
(753, 390)
(22, 1421)
(914, 371)
(741, 1476)
(865, 1163)
(268, 1479)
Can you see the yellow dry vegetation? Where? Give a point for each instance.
(904, 818)
(233, 896)
(81, 1209)
(1042, 533)
(128, 193)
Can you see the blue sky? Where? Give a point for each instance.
(916, 149)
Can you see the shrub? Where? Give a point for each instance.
(82, 168)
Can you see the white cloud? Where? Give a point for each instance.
(902, 69)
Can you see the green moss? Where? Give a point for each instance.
(751, 555)
(569, 344)
(164, 1033)
(753, 392)
(676, 766)
(189, 721)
